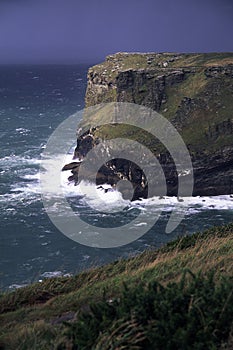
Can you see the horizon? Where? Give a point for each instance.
(96, 62)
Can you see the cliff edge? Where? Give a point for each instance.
(193, 91)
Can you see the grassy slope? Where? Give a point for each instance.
(32, 317)
(123, 61)
(211, 97)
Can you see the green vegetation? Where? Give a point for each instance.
(193, 85)
(195, 103)
(182, 315)
(125, 61)
(177, 297)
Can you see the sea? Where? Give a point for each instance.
(34, 101)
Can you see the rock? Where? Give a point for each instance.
(71, 166)
(194, 91)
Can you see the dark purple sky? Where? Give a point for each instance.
(74, 31)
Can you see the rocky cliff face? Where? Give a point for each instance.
(193, 91)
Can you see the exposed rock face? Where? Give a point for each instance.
(142, 87)
(193, 91)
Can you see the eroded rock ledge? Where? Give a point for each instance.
(193, 91)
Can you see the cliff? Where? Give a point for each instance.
(193, 91)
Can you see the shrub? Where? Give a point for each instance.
(195, 313)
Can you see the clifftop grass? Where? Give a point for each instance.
(197, 105)
(124, 61)
(47, 315)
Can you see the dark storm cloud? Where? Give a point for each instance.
(74, 31)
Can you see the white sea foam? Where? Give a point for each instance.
(17, 286)
(101, 198)
(14, 160)
(31, 176)
(193, 204)
(141, 224)
(22, 131)
(49, 274)
(54, 274)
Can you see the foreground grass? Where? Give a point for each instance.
(178, 297)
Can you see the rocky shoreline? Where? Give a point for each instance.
(193, 91)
